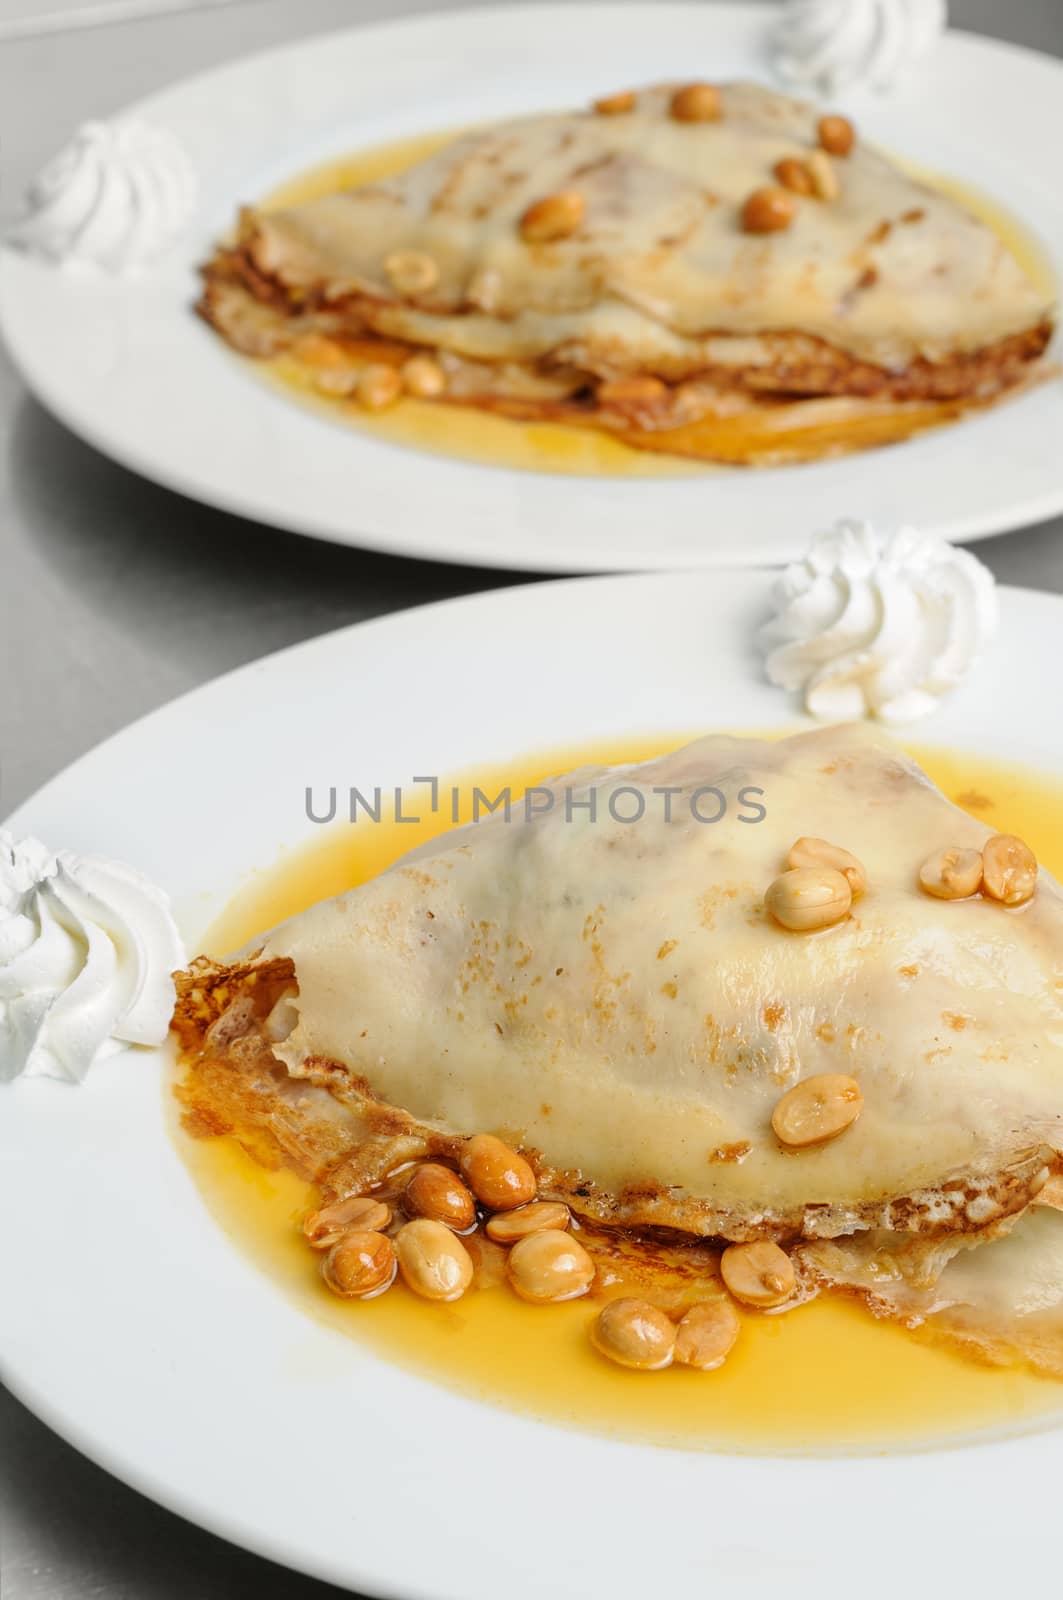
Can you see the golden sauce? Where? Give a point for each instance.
(825, 1376)
(478, 436)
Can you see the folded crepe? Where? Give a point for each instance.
(1000, 1303)
(614, 996)
(882, 308)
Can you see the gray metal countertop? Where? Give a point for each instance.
(116, 595)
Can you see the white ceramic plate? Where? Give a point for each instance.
(126, 366)
(132, 1326)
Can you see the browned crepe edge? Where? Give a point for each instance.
(221, 1015)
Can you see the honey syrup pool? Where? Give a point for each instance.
(478, 436)
(825, 1376)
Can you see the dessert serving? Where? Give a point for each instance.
(695, 1042)
(716, 272)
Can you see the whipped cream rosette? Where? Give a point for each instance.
(875, 627)
(831, 45)
(115, 197)
(87, 949)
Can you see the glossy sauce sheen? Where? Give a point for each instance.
(475, 435)
(825, 1376)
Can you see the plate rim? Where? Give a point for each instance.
(487, 598)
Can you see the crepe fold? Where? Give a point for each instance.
(880, 311)
(613, 996)
(996, 1297)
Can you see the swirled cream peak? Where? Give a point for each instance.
(87, 949)
(115, 197)
(832, 45)
(878, 627)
